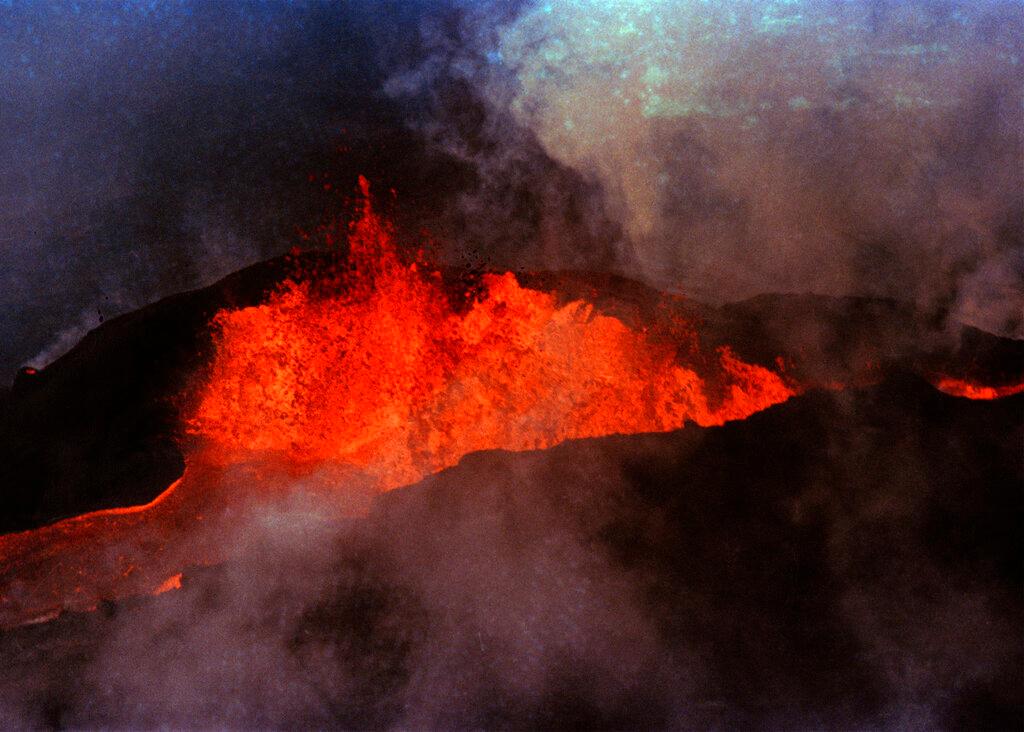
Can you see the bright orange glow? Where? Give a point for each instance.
(973, 390)
(340, 386)
(75, 563)
(389, 377)
(367, 382)
(171, 583)
(201, 519)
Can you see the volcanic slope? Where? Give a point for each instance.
(100, 428)
(845, 559)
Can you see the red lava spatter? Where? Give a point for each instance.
(369, 388)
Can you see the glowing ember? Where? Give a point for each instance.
(171, 583)
(972, 390)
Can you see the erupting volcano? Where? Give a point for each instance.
(378, 375)
(384, 372)
(677, 382)
(362, 373)
(359, 369)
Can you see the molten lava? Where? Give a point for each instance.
(388, 376)
(346, 383)
(369, 382)
(973, 390)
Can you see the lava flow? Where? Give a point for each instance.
(973, 390)
(368, 384)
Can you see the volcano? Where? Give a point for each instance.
(347, 488)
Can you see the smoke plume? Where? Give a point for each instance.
(720, 149)
(864, 147)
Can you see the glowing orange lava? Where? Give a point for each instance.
(390, 377)
(972, 390)
(171, 583)
(365, 386)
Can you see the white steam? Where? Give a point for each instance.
(859, 147)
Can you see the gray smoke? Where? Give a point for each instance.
(719, 149)
(862, 147)
(675, 581)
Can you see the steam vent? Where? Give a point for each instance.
(476, 364)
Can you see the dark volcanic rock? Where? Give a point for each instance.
(844, 560)
(100, 426)
(845, 339)
(837, 561)
(97, 427)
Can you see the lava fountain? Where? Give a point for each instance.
(387, 374)
(365, 380)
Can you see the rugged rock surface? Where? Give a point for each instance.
(846, 559)
(99, 427)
